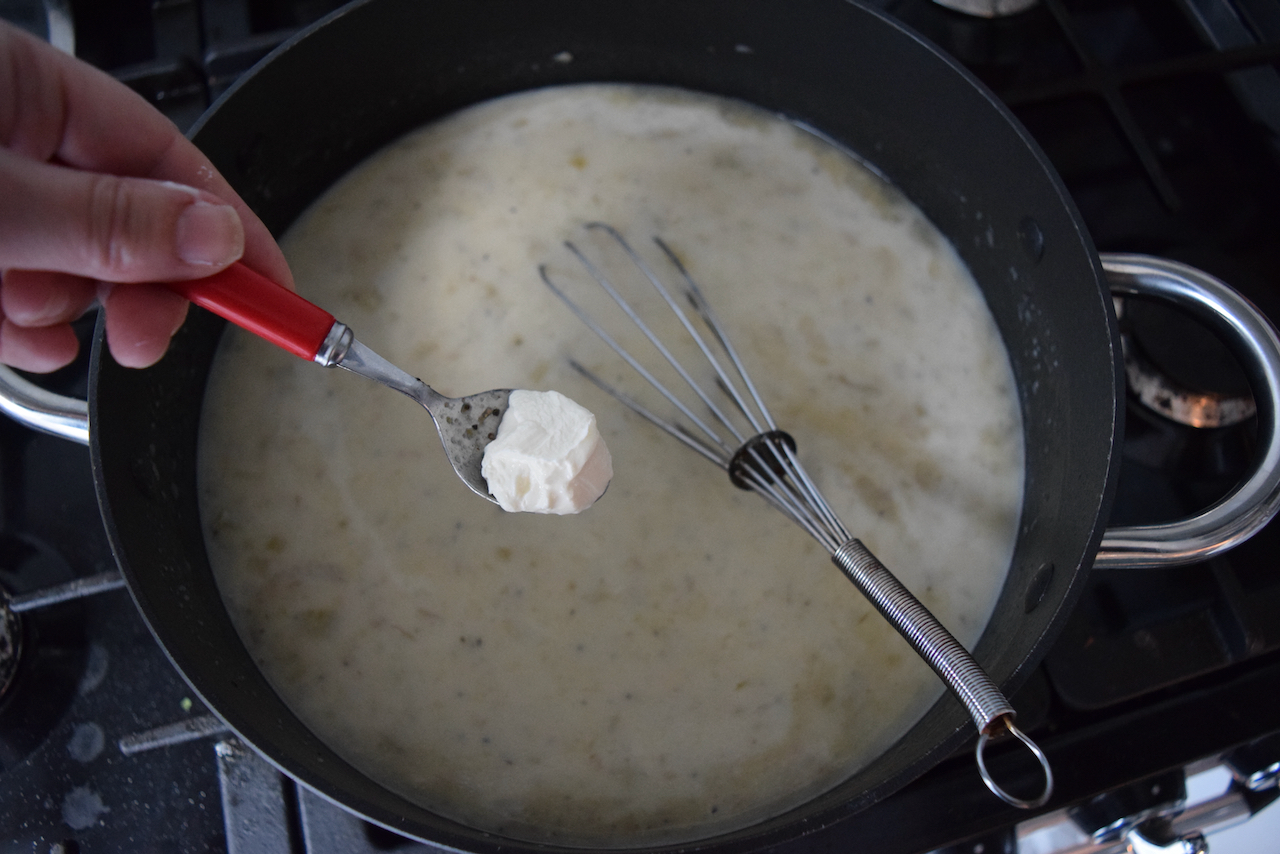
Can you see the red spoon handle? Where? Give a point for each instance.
(265, 308)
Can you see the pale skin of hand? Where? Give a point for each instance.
(100, 195)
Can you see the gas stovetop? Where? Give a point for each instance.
(1163, 118)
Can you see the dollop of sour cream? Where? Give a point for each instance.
(548, 456)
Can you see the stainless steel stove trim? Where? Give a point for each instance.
(1189, 822)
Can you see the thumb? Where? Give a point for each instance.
(110, 228)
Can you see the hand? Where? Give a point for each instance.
(100, 194)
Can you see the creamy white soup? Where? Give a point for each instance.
(678, 660)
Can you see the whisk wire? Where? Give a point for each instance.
(807, 507)
(635, 317)
(709, 317)
(782, 494)
(618, 348)
(711, 453)
(839, 533)
(767, 464)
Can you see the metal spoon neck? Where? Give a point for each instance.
(341, 349)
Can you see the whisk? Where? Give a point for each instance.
(760, 457)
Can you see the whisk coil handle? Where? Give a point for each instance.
(951, 661)
(991, 712)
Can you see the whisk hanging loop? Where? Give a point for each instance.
(762, 458)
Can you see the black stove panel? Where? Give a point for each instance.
(1163, 118)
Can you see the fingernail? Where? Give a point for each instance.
(209, 235)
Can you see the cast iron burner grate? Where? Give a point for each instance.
(46, 650)
(10, 643)
(1163, 119)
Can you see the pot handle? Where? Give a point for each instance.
(40, 409)
(1218, 529)
(1252, 339)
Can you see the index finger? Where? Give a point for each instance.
(56, 108)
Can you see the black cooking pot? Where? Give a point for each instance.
(375, 70)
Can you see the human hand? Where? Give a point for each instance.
(100, 194)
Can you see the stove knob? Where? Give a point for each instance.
(1109, 817)
(1156, 836)
(1256, 765)
(1265, 778)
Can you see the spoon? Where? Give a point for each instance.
(268, 309)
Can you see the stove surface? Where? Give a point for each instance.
(1163, 118)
